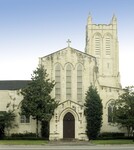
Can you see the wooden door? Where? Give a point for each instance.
(68, 126)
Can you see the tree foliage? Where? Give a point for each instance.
(37, 101)
(6, 122)
(93, 113)
(124, 112)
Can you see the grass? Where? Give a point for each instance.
(112, 141)
(43, 142)
(23, 142)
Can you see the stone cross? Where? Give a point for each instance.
(68, 41)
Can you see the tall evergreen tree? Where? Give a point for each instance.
(93, 113)
(37, 101)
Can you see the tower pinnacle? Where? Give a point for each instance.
(114, 19)
(89, 20)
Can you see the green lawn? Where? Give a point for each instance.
(23, 142)
(43, 142)
(112, 141)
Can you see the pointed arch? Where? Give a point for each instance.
(68, 63)
(71, 110)
(58, 64)
(97, 34)
(108, 102)
(19, 105)
(108, 34)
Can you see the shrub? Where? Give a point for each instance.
(28, 134)
(22, 136)
(111, 135)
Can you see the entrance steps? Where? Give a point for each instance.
(68, 142)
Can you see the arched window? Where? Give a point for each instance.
(24, 119)
(68, 81)
(97, 44)
(79, 83)
(108, 44)
(111, 109)
(58, 82)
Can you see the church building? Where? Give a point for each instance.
(74, 71)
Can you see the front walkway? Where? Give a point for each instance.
(69, 142)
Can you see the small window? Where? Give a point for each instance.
(24, 119)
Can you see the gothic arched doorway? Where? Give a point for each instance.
(68, 126)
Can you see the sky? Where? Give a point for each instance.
(30, 29)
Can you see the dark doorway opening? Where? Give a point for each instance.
(68, 126)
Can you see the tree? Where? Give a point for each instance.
(2, 124)
(37, 101)
(93, 113)
(124, 110)
(6, 122)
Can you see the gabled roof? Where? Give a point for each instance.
(13, 84)
(70, 48)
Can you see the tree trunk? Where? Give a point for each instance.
(2, 131)
(45, 129)
(37, 127)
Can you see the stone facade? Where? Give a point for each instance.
(11, 100)
(71, 97)
(74, 71)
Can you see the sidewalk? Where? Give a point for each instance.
(68, 143)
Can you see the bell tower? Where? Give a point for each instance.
(102, 42)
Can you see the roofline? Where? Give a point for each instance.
(14, 80)
(66, 48)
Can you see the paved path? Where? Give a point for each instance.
(69, 147)
(70, 143)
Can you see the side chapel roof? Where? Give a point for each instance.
(13, 84)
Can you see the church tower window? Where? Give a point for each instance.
(107, 39)
(97, 45)
(58, 82)
(79, 83)
(68, 81)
